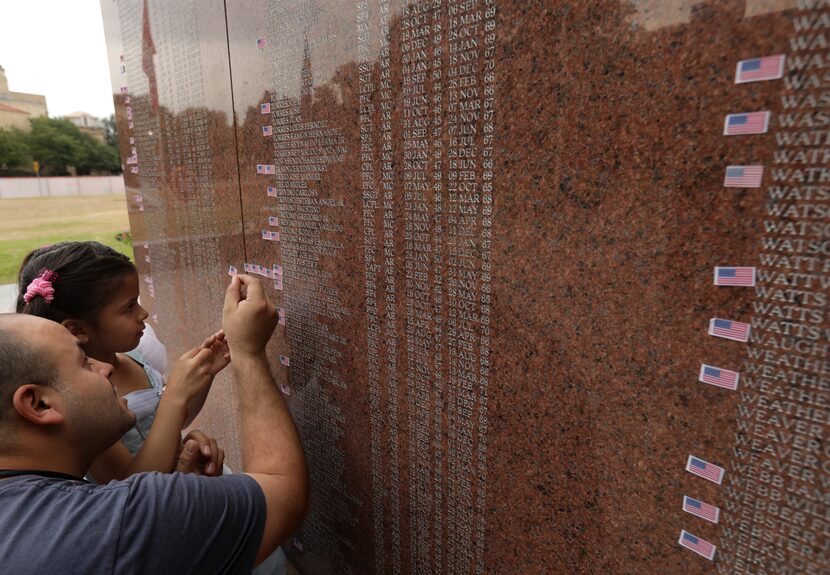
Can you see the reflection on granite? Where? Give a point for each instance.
(497, 227)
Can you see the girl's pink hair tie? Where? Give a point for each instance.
(42, 286)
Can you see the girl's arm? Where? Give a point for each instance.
(221, 359)
(191, 377)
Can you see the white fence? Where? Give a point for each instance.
(60, 186)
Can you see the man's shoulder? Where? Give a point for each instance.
(70, 522)
(102, 528)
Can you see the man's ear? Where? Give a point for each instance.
(77, 328)
(38, 404)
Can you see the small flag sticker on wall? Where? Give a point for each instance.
(265, 169)
(700, 509)
(749, 123)
(282, 316)
(729, 276)
(272, 191)
(701, 468)
(696, 544)
(265, 108)
(267, 131)
(743, 176)
(285, 361)
(232, 271)
(718, 377)
(273, 221)
(260, 43)
(758, 69)
(727, 329)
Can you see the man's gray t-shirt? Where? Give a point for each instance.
(151, 523)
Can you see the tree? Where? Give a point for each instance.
(112, 131)
(55, 144)
(58, 144)
(13, 149)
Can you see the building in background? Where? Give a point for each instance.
(16, 108)
(89, 124)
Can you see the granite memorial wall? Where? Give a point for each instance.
(553, 275)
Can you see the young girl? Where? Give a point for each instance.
(93, 291)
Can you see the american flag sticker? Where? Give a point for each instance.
(758, 69)
(297, 545)
(285, 360)
(267, 131)
(260, 43)
(278, 284)
(718, 376)
(265, 169)
(232, 271)
(273, 221)
(728, 329)
(285, 389)
(123, 69)
(696, 544)
(701, 468)
(124, 89)
(272, 191)
(748, 123)
(265, 108)
(743, 176)
(700, 509)
(282, 316)
(729, 276)
(264, 234)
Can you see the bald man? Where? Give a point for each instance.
(59, 412)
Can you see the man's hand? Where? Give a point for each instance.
(201, 455)
(248, 318)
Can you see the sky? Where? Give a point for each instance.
(56, 48)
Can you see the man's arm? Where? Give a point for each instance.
(271, 449)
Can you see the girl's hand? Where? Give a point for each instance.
(190, 379)
(222, 355)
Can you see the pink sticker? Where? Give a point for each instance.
(232, 271)
(285, 360)
(282, 316)
(267, 131)
(273, 221)
(272, 192)
(265, 108)
(285, 389)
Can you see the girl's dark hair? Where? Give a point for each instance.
(87, 275)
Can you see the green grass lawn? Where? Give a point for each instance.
(29, 223)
